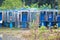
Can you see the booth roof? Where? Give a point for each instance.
(31, 9)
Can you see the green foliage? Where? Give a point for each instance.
(34, 5)
(42, 28)
(45, 6)
(17, 4)
(54, 37)
(11, 4)
(59, 28)
(32, 25)
(49, 6)
(26, 6)
(51, 37)
(59, 6)
(55, 27)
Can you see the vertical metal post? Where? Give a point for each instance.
(11, 24)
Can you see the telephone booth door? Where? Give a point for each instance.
(50, 18)
(42, 18)
(24, 20)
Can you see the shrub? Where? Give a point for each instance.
(55, 27)
(42, 28)
(31, 24)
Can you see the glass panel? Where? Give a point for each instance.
(50, 16)
(42, 16)
(33, 16)
(24, 16)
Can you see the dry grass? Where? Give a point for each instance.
(32, 34)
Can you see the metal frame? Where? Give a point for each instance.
(20, 13)
(31, 13)
(51, 11)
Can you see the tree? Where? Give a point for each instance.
(1, 1)
(11, 4)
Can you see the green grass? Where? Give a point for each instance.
(9, 29)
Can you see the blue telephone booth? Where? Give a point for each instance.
(21, 19)
(50, 18)
(24, 19)
(9, 19)
(43, 23)
(42, 15)
(58, 20)
(22, 16)
(42, 18)
(0, 19)
(58, 24)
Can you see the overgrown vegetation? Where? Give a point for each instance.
(11, 4)
(44, 6)
(43, 33)
(17, 4)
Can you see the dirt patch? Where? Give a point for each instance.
(32, 34)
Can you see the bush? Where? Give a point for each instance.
(42, 28)
(55, 27)
(32, 25)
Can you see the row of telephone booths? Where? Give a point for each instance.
(21, 18)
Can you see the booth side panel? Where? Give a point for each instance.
(0, 19)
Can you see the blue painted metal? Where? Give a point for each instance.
(58, 18)
(0, 25)
(58, 24)
(10, 16)
(24, 19)
(42, 15)
(50, 24)
(24, 16)
(11, 25)
(0, 19)
(43, 23)
(5, 24)
(10, 19)
(50, 16)
(24, 25)
(42, 18)
(0, 16)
